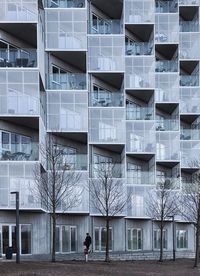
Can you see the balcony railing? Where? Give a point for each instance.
(166, 66)
(77, 162)
(106, 26)
(189, 80)
(142, 113)
(65, 3)
(20, 152)
(110, 170)
(106, 98)
(189, 26)
(166, 6)
(167, 125)
(189, 2)
(139, 48)
(142, 178)
(67, 81)
(190, 134)
(168, 182)
(18, 58)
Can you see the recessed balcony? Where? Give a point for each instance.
(190, 134)
(65, 4)
(167, 125)
(166, 66)
(20, 151)
(105, 26)
(139, 48)
(139, 113)
(166, 6)
(135, 178)
(106, 99)
(14, 57)
(168, 182)
(115, 170)
(189, 80)
(67, 81)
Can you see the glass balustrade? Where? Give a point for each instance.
(167, 125)
(140, 178)
(115, 170)
(20, 152)
(77, 162)
(67, 81)
(166, 66)
(139, 48)
(106, 26)
(106, 98)
(166, 6)
(141, 113)
(18, 57)
(189, 26)
(190, 134)
(168, 182)
(189, 80)
(65, 3)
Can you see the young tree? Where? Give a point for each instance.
(190, 207)
(107, 194)
(162, 204)
(58, 186)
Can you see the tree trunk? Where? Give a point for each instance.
(196, 261)
(107, 240)
(53, 253)
(161, 242)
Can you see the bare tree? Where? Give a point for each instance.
(190, 207)
(57, 186)
(107, 194)
(162, 204)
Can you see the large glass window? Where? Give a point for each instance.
(134, 239)
(156, 233)
(134, 174)
(100, 238)
(133, 110)
(26, 239)
(181, 239)
(66, 238)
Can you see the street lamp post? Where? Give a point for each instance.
(17, 227)
(173, 237)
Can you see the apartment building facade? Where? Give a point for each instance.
(115, 82)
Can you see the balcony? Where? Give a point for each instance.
(20, 152)
(18, 58)
(67, 81)
(166, 6)
(65, 4)
(19, 11)
(189, 80)
(189, 26)
(75, 162)
(140, 137)
(106, 99)
(168, 182)
(141, 178)
(166, 66)
(141, 113)
(139, 48)
(167, 125)
(189, 2)
(106, 26)
(115, 170)
(190, 134)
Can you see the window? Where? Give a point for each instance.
(5, 140)
(101, 96)
(134, 236)
(100, 238)
(69, 157)
(133, 110)
(100, 25)
(59, 75)
(134, 174)
(98, 160)
(181, 239)
(66, 238)
(156, 234)
(8, 234)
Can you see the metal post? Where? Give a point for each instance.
(17, 227)
(174, 251)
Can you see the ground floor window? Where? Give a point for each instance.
(66, 238)
(181, 239)
(156, 234)
(134, 236)
(8, 238)
(100, 238)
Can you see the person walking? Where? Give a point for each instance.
(87, 243)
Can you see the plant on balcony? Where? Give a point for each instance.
(58, 186)
(107, 194)
(162, 203)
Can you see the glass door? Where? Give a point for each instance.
(8, 237)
